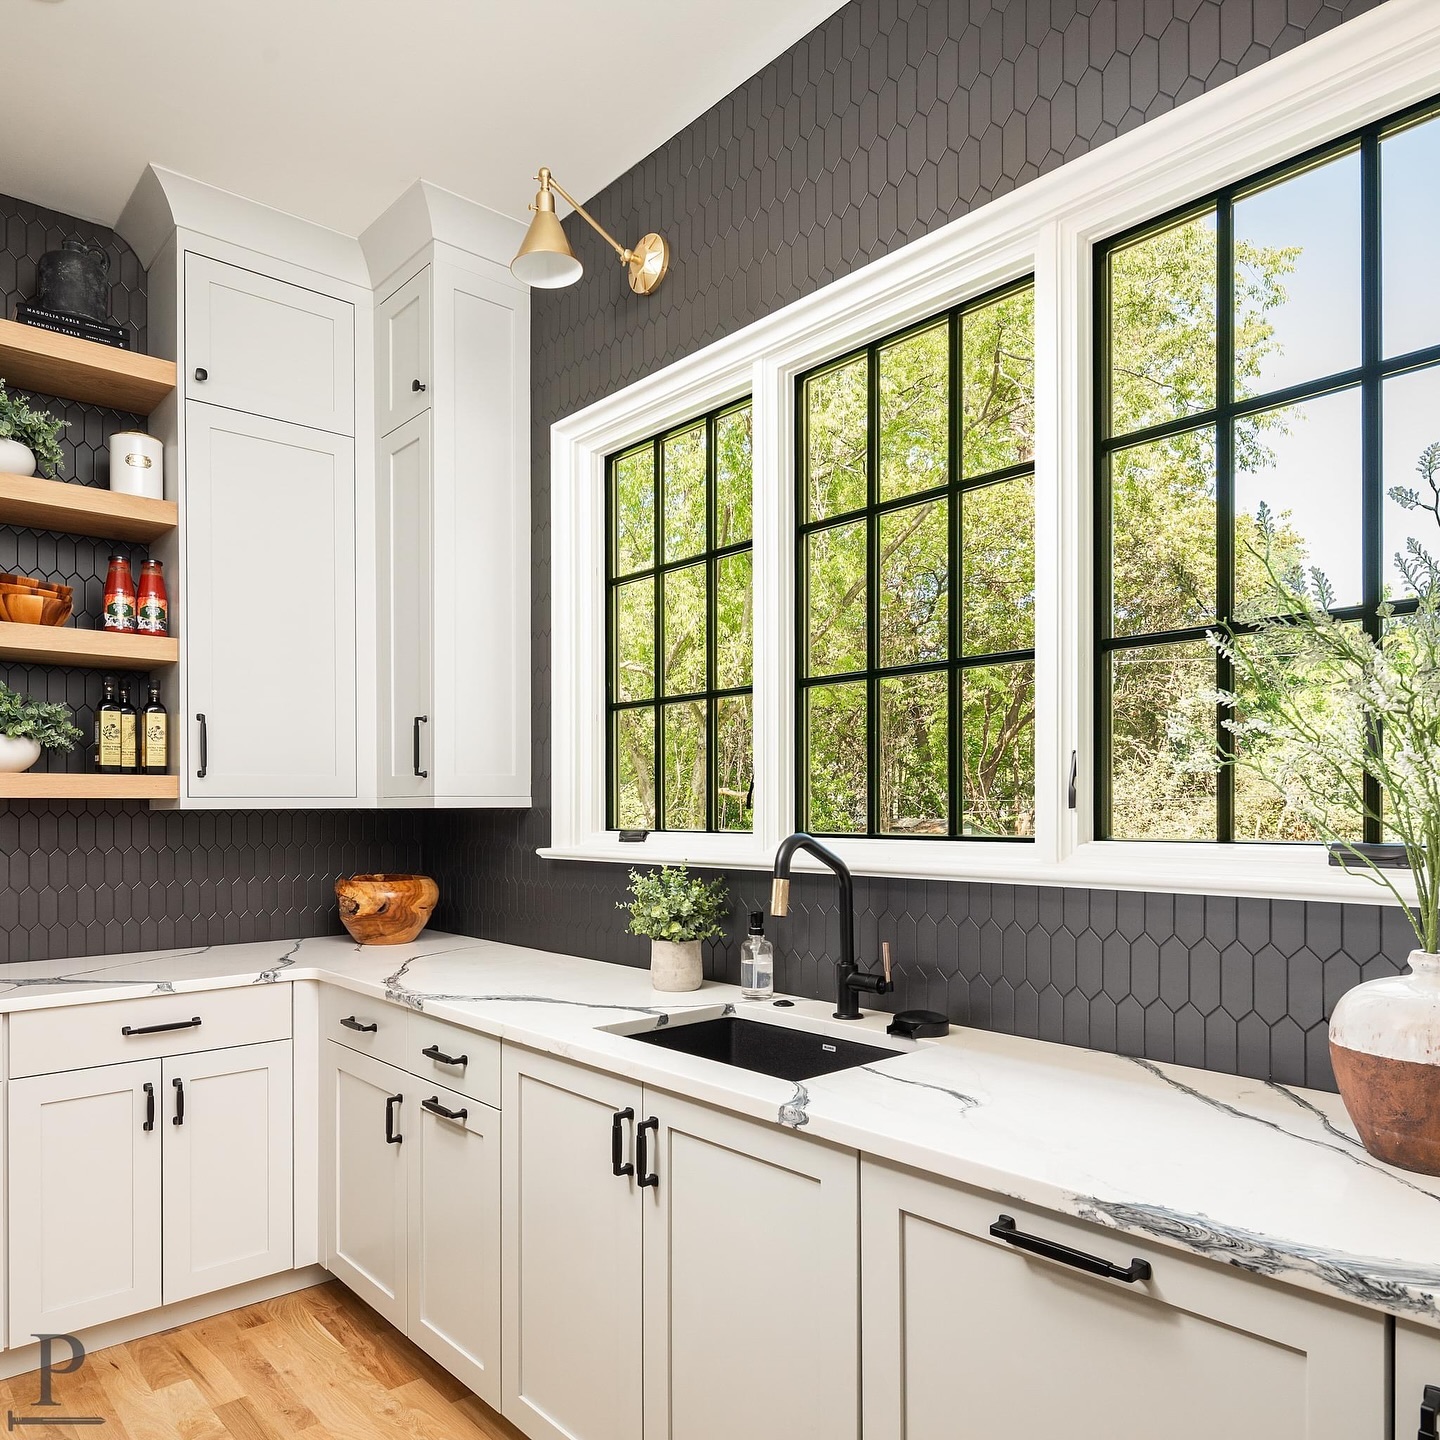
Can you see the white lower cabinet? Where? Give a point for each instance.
(84, 1187)
(572, 1236)
(99, 1158)
(411, 1176)
(228, 1168)
(969, 1338)
(1417, 1380)
(716, 1276)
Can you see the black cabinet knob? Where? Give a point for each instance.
(201, 373)
(417, 386)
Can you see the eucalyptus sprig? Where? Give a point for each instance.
(38, 430)
(667, 904)
(1318, 705)
(48, 722)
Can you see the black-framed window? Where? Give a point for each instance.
(916, 596)
(681, 625)
(1268, 371)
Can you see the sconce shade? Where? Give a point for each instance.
(545, 258)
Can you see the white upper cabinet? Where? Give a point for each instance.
(454, 539)
(402, 354)
(267, 347)
(270, 631)
(406, 584)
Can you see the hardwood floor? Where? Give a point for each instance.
(316, 1364)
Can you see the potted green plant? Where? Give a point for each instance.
(29, 438)
(29, 726)
(1317, 706)
(675, 912)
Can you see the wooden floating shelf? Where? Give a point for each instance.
(33, 786)
(95, 649)
(83, 510)
(60, 365)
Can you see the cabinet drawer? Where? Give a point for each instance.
(373, 1027)
(45, 1041)
(478, 1076)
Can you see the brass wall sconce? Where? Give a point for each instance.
(545, 258)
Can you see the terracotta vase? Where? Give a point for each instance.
(676, 965)
(1385, 1049)
(386, 909)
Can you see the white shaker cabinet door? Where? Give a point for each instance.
(84, 1193)
(228, 1168)
(1417, 1376)
(268, 348)
(369, 1113)
(269, 624)
(454, 1200)
(402, 353)
(407, 748)
(571, 1226)
(969, 1338)
(752, 1280)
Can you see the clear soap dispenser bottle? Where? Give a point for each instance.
(757, 961)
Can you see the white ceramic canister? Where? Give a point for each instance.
(137, 465)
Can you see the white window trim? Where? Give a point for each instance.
(1362, 71)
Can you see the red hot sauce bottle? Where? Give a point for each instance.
(120, 597)
(154, 607)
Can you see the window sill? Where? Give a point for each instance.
(1272, 872)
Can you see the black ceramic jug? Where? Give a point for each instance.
(75, 281)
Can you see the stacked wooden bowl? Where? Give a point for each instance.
(24, 601)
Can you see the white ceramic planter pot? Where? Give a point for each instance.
(676, 966)
(17, 755)
(1385, 1050)
(15, 458)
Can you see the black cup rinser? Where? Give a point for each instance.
(918, 1024)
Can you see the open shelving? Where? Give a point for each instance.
(89, 649)
(59, 365)
(83, 510)
(37, 785)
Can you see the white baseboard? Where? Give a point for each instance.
(99, 1337)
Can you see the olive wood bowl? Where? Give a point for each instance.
(386, 909)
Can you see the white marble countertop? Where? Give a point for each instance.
(1264, 1177)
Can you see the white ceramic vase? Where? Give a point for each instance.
(675, 965)
(1385, 1050)
(17, 755)
(15, 458)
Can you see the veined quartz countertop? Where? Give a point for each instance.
(1265, 1177)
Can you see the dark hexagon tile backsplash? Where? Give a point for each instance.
(888, 120)
(891, 118)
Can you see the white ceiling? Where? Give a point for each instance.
(328, 109)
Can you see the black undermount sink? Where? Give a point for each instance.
(768, 1049)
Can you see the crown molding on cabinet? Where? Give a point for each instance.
(426, 213)
(165, 201)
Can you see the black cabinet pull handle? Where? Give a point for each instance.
(419, 773)
(1004, 1229)
(204, 748)
(1430, 1414)
(434, 1052)
(189, 1024)
(149, 1107)
(434, 1106)
(417, 386)
(618, 1164)
(179, 1085)
(391, 1101)
(351, 1023)
(201, 374)
(645, 1179)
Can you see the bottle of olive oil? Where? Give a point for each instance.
(154, 736)
(107, 730)
(129, 734)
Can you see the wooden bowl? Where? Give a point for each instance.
(386, 909)
(28, 585)
(34, 607)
